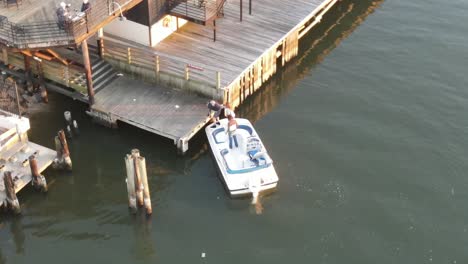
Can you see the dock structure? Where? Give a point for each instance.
(175, 56)
(16, 153)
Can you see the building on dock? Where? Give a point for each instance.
(174, 55)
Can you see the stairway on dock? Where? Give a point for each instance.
(103, 73)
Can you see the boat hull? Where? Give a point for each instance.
(236, 182)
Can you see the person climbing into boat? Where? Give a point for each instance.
(232, 127)
(214, 109)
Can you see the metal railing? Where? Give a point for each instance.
(198, 11)
(51, 33)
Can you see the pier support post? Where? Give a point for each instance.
(250, 7)
(131, 183)
(27, 71)
(11, 199)
(182, 145)
(137, 182)
(63, 160)
(100, 43)
(144, 181)
(89, 77)
(38, 181)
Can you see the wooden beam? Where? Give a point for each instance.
(42, 56)
(58, 57)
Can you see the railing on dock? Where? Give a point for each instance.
(152, 65)
(197, 11)
(49, 33)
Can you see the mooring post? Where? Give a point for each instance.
(89, 77)
(138, 183)
(250, 7)
(11, 198)
(144, 180)
(131, 183)
(66, 160)
(38, 181)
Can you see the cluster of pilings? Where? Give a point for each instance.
(137, 182)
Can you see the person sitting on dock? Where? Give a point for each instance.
(214, 109)
(232, 127)
(62, 15)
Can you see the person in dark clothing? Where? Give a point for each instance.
(214, 109)
(62, 15)
(85, 6)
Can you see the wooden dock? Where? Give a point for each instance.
(171, 113)
(243, 57)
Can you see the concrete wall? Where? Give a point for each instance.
(128, 30)
(165, 27)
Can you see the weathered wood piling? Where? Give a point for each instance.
(63, 160)
(11, 199)
(137, 182)
(38, 181)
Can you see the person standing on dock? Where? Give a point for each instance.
(214, 109)
(63, 15)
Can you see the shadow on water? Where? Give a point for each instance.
(336, 26)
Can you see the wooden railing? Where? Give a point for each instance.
(198, 11)
(153, 65)
(50, 33)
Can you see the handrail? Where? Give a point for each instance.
(50, 33)
(199, 11)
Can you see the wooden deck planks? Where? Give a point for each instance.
(152, 108)
(238, 43)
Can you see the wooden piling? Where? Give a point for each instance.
(144, 180)
(131, 183)
(38, 181)
(138, 183)
(65, 159)
(11, 198)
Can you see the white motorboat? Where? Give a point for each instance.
(246, 167)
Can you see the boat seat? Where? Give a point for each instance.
(219, 135)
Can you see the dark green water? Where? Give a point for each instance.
(368, 129)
